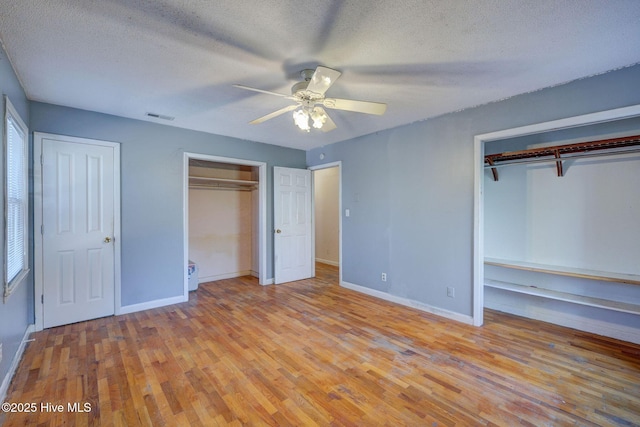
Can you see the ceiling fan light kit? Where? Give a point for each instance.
(301, 119)
(308, 112)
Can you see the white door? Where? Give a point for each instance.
(292, 223)
(78, 231)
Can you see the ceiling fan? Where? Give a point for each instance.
(310, 100)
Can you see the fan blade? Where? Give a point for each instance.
(328, 124)
(264, 91)
(322, 80)
(274, 114)
(366, 107)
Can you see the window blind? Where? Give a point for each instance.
(16, 193)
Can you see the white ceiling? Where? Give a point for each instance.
(423, 58)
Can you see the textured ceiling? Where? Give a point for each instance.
(423, 58)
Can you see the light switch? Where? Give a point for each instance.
(346, 212)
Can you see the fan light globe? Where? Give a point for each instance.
(301, 119)
(319, 117)
(303, 116)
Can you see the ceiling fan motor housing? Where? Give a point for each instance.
(299, 87)
(299, 90)
(307, 74)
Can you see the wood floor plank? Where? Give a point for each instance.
(313, 353)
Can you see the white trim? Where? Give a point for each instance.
(226, 276)
(148, 305)
(264, 282)
(117, 234)
(478, 208)
(410, 303)
(328, 262)
(478, 235)
(20, 278)
(38, 138)
(262, 211)
(6, 381)
(337, 164)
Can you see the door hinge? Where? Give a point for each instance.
(42, 299)
(41, 159)
(42, 229)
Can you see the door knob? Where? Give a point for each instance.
(278, 231)
(107, 239)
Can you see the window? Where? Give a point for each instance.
(15, 200)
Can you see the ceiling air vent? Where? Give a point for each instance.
(160, 116)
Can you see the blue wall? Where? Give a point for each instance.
(152, 187)
(410, 190)
(17, 312)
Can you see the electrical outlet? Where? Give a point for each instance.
(383, 277)
(451, 292)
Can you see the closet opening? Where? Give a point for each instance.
(225, 219)
(557, 244)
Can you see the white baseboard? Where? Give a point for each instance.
(225, 276)
(151, 304)
(257, 276)
(232, 275)
(410, 303)
(329, 262)
(6, 381)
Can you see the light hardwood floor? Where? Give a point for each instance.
(313, 353)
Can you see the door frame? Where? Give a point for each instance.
(38, 254)
(337, 164)
(478, 209)
(262, 211)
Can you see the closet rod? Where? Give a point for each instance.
(553, 159)
(560, 153)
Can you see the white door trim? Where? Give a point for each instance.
(38, 138)
(262, 212)
(337, 164)
(478, 205)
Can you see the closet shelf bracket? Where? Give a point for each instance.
(558, 163)
(494, 171)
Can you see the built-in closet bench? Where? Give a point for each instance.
(623, 307)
